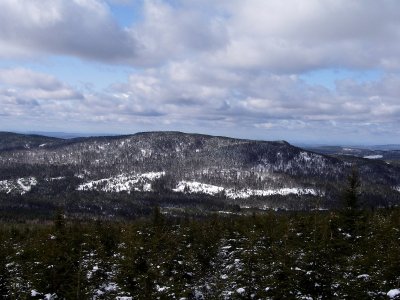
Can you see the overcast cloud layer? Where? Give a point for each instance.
(222, 67)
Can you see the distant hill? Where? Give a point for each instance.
(242, 172)
(13, 141)
(384, 152)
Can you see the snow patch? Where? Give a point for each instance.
(378, 156)
(20, 185)
(111, 286)
(161, 288)
(26, 184)
(305, 156)
(393, 293)
(198, 187)
(123, 182)
(146, 153)
(363, 276)
(57, 178)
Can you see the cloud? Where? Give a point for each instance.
(80, 28)
(87, 29)
(254, 34)
(26, 78)
(23, 86)
(188, 91)
(229, 65)
(311, 34)
(178, 32)
(187, 96)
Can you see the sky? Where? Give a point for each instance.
(305, 71)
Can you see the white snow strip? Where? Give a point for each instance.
(57, 178)
(152, 175)
(122, 182)
(142, 182)
(198, 187)
(378, 156)
(284, 192)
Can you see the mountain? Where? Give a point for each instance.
(241, 172)
(385, 152)
(13, 141)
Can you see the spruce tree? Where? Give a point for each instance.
(351, 192)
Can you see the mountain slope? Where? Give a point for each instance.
(190, 163)
(14, 141)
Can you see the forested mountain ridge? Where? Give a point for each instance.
(238, 169)
(14, 141)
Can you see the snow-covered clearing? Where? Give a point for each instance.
(20, 185)
(123, 182)
(198, 187)
(373, 156)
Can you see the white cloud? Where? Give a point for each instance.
(81, 28)
(312, 34)
(232, 65)
(188, 91)
(254, 34)
(22, 89)
(26, 78)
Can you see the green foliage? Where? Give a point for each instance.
(269, 256)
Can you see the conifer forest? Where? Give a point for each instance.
(346, 254)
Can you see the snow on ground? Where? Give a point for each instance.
(123, 182)
(393, 293)
(198, 187)
(152, 175)
(305, 156)
(374, 156)
(142, 182)
(20, 185)
(283, 191)
(6, 186)
(363, 276)
(397, 188)
(56, 178)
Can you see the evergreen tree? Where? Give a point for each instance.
(351, 192)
